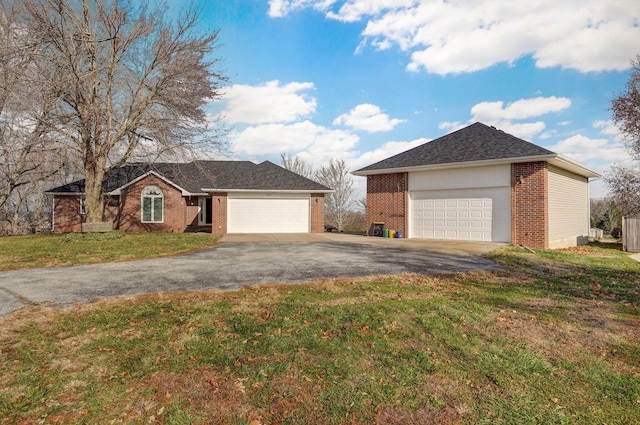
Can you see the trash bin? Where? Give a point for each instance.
(385, 233)
(392, 233)
(376, 229)
(399, 234)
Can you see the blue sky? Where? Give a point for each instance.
(361, 80)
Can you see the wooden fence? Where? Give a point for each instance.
(631, 234)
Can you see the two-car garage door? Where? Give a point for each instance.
(463, 214)
(268, 213)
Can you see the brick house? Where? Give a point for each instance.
(216, 196)
(481, 184)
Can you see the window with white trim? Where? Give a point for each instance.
(152, 204)
(83, 206)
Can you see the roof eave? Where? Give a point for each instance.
(265, 190)
(500, 161)
(569, 164)
(118, 190)
(48, 192)
(560, 161)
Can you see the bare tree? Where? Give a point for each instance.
(297, 165)
(624, 186)
(132, 83)
(339, 204)
(29, 155)
(626, 110)
(624, 182)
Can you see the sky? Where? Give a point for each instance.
(361, 80)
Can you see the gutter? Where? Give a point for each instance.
(553, 158)
(265, 191)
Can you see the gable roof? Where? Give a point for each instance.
(475, 144)
(199, 177)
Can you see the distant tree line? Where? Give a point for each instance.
(605, 214)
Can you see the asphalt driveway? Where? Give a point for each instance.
(226, 266)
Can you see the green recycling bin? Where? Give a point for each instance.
(385, 233)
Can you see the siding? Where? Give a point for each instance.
(461, 178)
(568, 208)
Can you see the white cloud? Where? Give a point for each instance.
(526, 131)
(385, 151)
(585, 149)
(281, 8)
(273, 139)
(445, 37)
(369, 118)
(608, 128)
(352, 11)
(506, 117)
(271, 102)
(520, 109)
(451, 126)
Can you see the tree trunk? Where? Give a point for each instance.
(94, 198)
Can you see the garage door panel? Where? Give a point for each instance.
(268, 215)
(469, 214)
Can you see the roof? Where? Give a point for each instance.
(198, 177)
(475, 144)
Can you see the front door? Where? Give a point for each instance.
(205, 204)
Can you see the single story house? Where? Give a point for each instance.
(481, 184)
(217, 196)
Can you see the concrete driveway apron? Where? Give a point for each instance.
(226, 266)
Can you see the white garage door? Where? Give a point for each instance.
(482, 216)
(267, 213)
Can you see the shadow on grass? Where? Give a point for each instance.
(597, 274)
(615, 245)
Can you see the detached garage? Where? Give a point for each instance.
(481, 184)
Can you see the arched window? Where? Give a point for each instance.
(152, 204)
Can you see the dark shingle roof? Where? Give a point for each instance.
(197, 175)
(477, 142)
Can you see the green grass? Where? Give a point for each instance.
(52, 250)
(552, 338)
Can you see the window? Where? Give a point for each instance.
(152, 205)
(83, 207)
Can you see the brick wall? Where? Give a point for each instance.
(387, 197)
(179, 212)
(529, 205)
(66, 214)
(317, 212)
(130, 216)
(67, 217)
(219, 213)
(191, 211)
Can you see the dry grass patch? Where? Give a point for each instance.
(55, 250)
(533, 343)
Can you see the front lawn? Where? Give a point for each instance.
(54, 250)
(553, 338)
